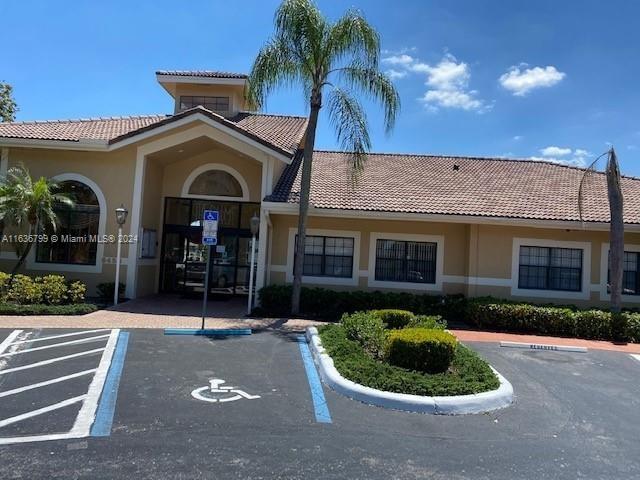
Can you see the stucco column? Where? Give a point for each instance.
(136, 214)
(262, 250)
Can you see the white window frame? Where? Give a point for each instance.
(324, 280)
(437, 239)
(583, 294)
(31, 262)
(604, 269)
(221, 167)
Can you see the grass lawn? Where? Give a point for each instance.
(468, 372)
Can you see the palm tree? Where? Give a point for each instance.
(336, 59)
(30, 205)
(616, 234)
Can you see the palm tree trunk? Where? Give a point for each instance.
(616, 251)
(23, 257)
(305, 189)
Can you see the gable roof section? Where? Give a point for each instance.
(482, 187)
(278, 132)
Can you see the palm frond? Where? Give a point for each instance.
(583, 182)
(354, 37)
(350, 123)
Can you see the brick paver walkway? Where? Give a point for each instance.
(159, 312)
(475, 336)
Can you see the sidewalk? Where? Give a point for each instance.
(496, 337)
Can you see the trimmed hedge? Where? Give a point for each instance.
(45, 290)
(468, 373)
(40, 309)
(500, 315)
(394, 318)
(421, 349)
(275, 300)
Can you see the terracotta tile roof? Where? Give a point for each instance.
(282, 133)
(201, 73)
(484, 187)
(76, 130)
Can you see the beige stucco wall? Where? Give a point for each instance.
(477, 258)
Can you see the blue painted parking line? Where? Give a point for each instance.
(107, 406)
(317, 394)
(209, 332)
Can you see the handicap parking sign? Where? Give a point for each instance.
(210, 227)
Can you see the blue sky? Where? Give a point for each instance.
(544, 79)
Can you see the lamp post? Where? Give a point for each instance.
(255, 227)
(121, 217)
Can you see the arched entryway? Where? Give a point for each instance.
(184, 258)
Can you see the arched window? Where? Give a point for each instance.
(77, 228)
(216, 183)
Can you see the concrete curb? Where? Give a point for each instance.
(544, 346)
(454, 405)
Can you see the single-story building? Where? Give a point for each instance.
(414, 223)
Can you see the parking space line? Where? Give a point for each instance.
(51, 337)
(320, 406)
(49, 361)
(40, 411)
(636, 356)
(107, 406)
(55, 345)
(45, 383)
(87, 413)
(10, 338)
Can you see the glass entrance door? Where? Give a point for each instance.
(184, 258)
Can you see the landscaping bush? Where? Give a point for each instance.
(41, 309)
(593, 324)
(275, 300)
(106, 290)
(54, 289)
(428, 321)
(468, 373)
(421, 349)
(24, 291)
(4, 285)
(76, 292)
(367, 330)
(633, 326)
(394, 318)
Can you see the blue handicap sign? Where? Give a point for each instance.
(210, 227)
(211, 215)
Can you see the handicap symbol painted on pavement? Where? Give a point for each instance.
(208, 394)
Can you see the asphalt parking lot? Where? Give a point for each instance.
(576, 415)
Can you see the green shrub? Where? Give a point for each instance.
(428, 321)
(633, 326)
(593, 324)
(275, 300)
(394, 318)
(421, 349)
(41, 309)
(24, 291)
(54, 289)
(76, 292)
(4, 285)
(106, 290)
(619, 326)
(367, 330)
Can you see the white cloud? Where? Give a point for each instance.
(553, 151)
(520, 82)
(448, 81)
(517, 138)
(396, 74)
(566, 156)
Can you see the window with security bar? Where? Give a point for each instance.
(405, 261)
(550, 268)
(630, 274)
(328, 256)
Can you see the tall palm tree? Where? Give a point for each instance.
(616, 225)
(333, 59)
(28, 205)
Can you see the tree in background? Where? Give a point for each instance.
(337, 59)
(616, 236)
(27, 206)
(8, 106)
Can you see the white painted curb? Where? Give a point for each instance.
(542, 346)
(454, 405)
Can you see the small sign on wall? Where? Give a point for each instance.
(149, 243)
